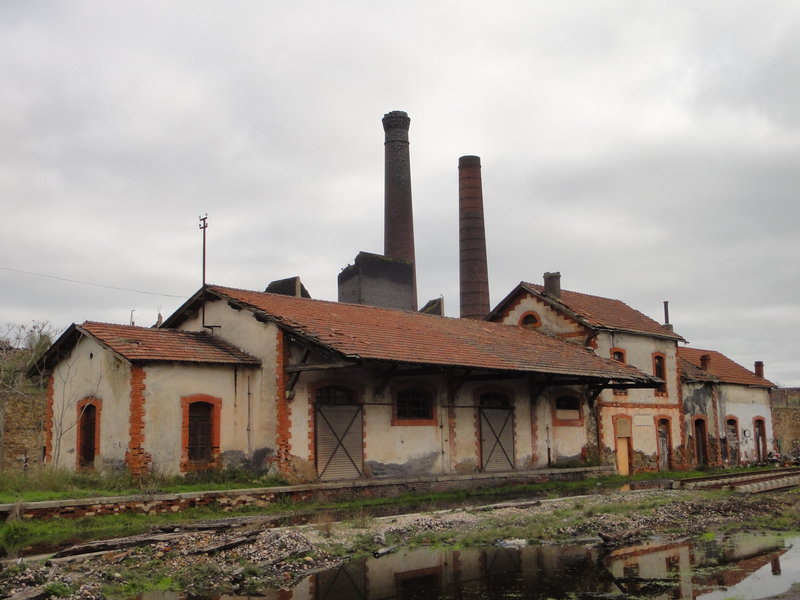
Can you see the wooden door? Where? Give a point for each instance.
(701, 454)
(623, 446)
(732, 438)
(663, 445)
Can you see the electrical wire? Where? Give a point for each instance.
(101, 285)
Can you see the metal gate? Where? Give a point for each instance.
(347, 582)
(338, 441)
(497, 439)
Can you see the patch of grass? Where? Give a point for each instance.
(59, 589)
(47, 483)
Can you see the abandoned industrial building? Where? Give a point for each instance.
(369, 386)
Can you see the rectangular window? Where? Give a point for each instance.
(413, 406)
(660, 371)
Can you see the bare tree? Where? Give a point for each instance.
(71, 391)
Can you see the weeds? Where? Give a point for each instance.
(324, 524)
(59, 589)
(48, 483)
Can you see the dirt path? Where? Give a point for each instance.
(246, 558)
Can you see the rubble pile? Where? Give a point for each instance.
(245, 557)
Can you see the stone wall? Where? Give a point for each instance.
(21, 438)
(786, 419)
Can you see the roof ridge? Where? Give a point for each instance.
(368, 307)
(540, 286)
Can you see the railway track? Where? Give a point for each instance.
(746, 482)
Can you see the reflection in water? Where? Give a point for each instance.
(738, 567)
(653, 570)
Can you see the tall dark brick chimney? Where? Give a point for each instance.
(398, 220)
(473, 271)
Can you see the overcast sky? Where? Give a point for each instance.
(648, 151)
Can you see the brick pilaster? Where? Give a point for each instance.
(136, 458)
(283, 415)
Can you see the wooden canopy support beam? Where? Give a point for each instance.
(324, 366)
(387, 377)
(295, 375)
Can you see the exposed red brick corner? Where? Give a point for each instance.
(282, 416)
(136, 458)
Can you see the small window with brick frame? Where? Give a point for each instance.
(660, 371)
(413, 406)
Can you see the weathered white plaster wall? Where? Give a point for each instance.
(165, 385)
(90, 370)
(552, 322)
(639, 351)
(746, 404)
(240, 328)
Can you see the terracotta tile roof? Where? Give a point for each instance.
(720, 368)
(143, 344)
(606, 313)
(371, 333)
(690, 372)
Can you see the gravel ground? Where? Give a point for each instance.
(246, 558)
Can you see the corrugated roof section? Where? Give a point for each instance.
(720, 367)
(140, 344)
(372, 333)
(608, 313)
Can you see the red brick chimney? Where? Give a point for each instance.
(552, 284)
(759, 368)
(398, 223)
(473, 270)
(705, 361)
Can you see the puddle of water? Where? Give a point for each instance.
(747, 567)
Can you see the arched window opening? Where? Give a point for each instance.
(530, 320)
(660, 371)
(334, 394)
(700, 443)
(495, 400)
(664, 444)
(200, 432)
(88, 433)
(732, 441)
(760, 432)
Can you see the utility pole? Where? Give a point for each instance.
(204, 226)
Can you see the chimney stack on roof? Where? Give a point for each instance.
(759, 368)
(552, 284)
(398, 224)
(473, 269)
(705, 361)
